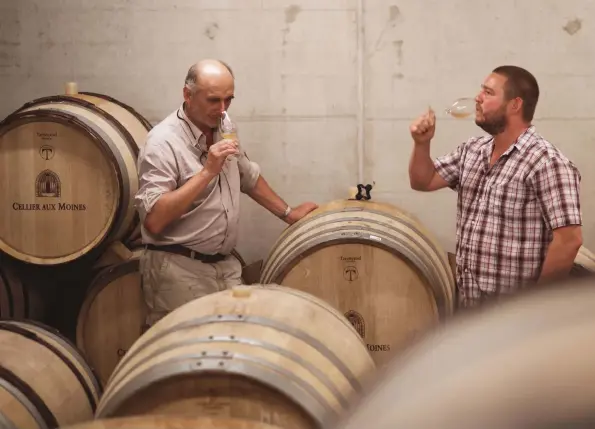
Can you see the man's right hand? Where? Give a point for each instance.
(423, 128)
(218, 153)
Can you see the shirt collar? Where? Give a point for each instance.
(525, 139)
(520, 144)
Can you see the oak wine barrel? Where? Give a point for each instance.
(172, 422)
(70, 161)
(113, 314)
(262, 353)
(375, 263)
(44, 380)
(526, 363)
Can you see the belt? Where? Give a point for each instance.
(178, 249)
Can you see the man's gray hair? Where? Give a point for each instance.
(192, 76)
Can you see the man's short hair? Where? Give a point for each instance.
(520, 83)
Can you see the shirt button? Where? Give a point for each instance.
(466, 270)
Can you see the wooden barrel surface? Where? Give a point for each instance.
(68, 165)
(172, 422)
(18, 299)
(252, 352)
(6, 423)
(113, 314)
(44, 380)
(375, 263)
(527, 363)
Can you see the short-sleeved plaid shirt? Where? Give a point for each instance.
(506, 213)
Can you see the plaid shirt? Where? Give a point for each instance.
(506, 213)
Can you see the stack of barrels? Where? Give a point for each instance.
(258, 356)
(68, 167)
(69, 174)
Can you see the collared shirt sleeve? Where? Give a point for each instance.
(249, 172)
(449, 167)
(557, 187)
(157, 174)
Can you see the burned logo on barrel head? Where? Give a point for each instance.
(47, 184)
(350, 273)
(357, 321)
(46, 152)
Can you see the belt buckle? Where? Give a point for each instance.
(192, 254)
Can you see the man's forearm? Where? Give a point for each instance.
(172, 205)
(421, 167)
(264, 195)
(558, 261)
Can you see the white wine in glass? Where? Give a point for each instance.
(462, 108)
(228, 130)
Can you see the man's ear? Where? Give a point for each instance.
(517, 105)
(187, 93)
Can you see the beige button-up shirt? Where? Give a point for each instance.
(174, 152)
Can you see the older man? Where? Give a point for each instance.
(518, 218)
(189, 196)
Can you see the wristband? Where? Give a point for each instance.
(286, 213)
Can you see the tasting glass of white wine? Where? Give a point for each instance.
(228, 130)
(462, 108)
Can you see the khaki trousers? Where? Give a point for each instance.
(170, 280)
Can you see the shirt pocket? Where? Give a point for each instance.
(508, 202)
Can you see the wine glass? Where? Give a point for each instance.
(462, 108)
(228, 130)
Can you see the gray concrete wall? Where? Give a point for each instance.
(326, 89)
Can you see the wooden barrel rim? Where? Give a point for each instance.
(313, 245)
(99, 282)
(239, 318)
(32, 336)
(310, 298)
(402, 221)
(322, 377)
(69, 344)
(63, 99)
(5, 283)
(11, 278)
(164, 421)
(62, 117)
(6, 423)
(237, 364)
(36, 405)
(138, 116)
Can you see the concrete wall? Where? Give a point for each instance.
(321, 84)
